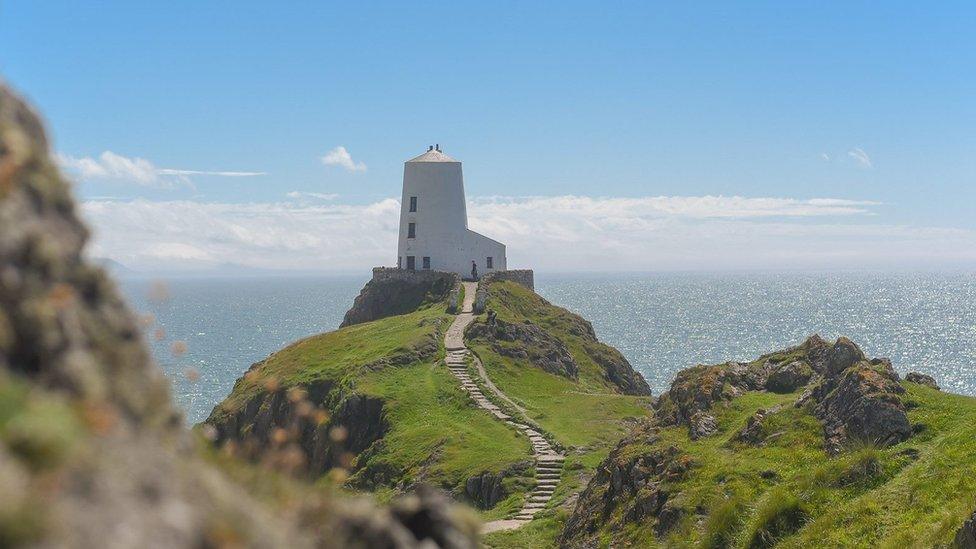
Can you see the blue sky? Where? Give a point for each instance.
(623, 103)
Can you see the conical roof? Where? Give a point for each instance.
(432, 155)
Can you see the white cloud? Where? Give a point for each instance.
(547, 233)
(860, 157)
(305, 195)
(339, 156)
(825, 157)
(142, 172)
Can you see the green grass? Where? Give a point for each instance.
(342, 355)
(555, 402)
(436, 434)
(789, 493)
(431, 416)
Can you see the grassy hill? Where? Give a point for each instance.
(765, 473)
(371, 400)
(372, 405)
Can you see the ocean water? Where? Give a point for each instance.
(660, 322)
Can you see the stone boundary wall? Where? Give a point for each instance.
(383, 274)
(524, 277)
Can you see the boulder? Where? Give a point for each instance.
(862, 404)
(843, 354)
(789, 377)
(922, 379)
(702, 424)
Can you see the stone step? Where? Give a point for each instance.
(547, 482)
(534, 506)
(540, 489)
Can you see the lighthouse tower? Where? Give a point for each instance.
(434, 232)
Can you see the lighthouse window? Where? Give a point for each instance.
(488, 262)
(413, 203)
(411, 263)
(426, 263)
(412, 230)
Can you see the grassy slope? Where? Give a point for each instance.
(436, 434)
(587, 416)
(867, 497)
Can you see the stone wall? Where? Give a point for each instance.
(524, 277)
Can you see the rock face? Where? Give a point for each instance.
(853, 397)
(922, 379)
(787, 378)
(398, 291)
(530, 342)
(966, 535)
(546, 345)
(269, 414)
(92, 451)
(862, 403)
(632, 486)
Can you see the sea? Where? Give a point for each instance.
(206, 332)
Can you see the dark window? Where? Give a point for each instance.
(413, 203)
(411, 262)
(411, 230)
(426, 263)
(488, 262)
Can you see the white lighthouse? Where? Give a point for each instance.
(434, 232)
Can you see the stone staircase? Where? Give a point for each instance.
(548, 462)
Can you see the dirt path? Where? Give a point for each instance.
(548, 462)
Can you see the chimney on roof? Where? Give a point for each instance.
(437, 147)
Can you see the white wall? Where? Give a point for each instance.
(441, 219)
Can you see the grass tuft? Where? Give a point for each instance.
(779, 514)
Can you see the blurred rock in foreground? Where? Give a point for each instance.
(92, 451)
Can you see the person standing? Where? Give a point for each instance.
(474, 270)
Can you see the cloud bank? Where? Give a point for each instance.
(561, 233)
(110, 166)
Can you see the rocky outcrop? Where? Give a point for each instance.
(629, 487)
(399, 291)
(853, 397)
(616, 369)
(696, 390)
(320, 424)
(787, 378)
(93, 453)
(966, 535)
(542, 334)
(273, 424)
(922, 379)
(528, 342)
(862, 403)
